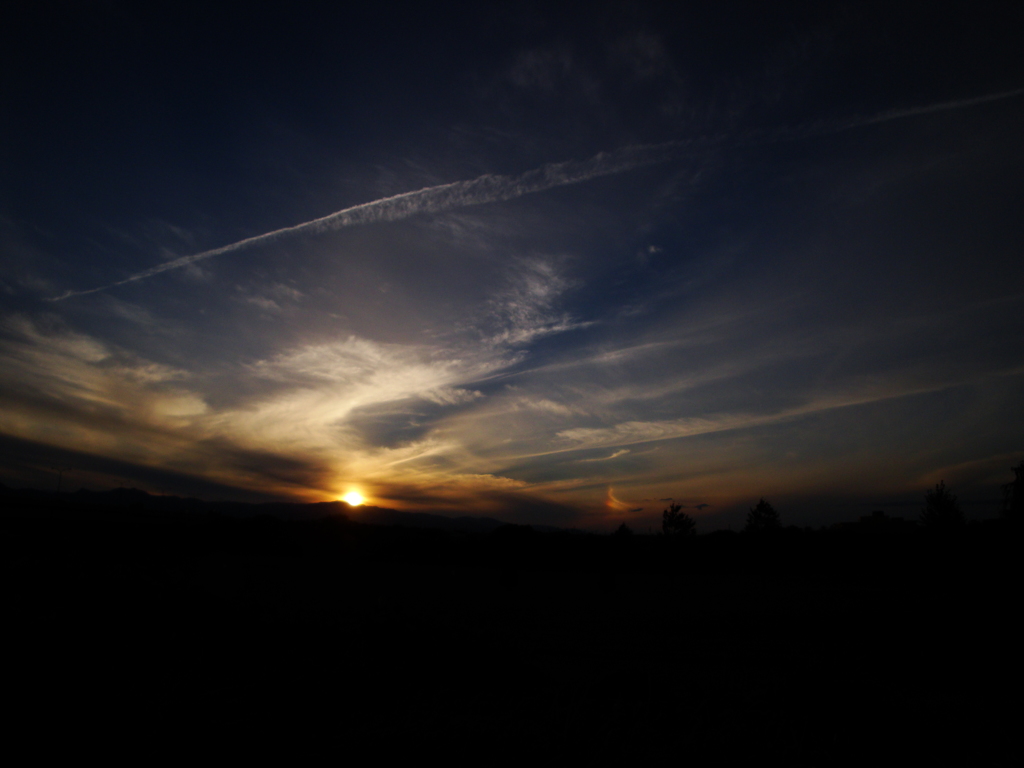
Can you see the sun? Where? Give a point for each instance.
(353, 499)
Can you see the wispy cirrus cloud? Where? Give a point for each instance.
(527, 308)
(634, 432)
(615, 455)
(65, 387)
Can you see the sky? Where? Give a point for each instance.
(551, 263)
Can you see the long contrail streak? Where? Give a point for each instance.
(899, 114)
(833, 127)
(444, 197)
(492, 188)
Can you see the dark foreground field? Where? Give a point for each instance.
(861, 646)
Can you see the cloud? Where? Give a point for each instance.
(329, 395)
(373, 371)
(312, 417)
(374, 404)
(272, 298)
(59, 384)
(267, 305)
(451, 395)
(615, 455)
(64, 388)
(131, 312)
(42, 355)
(632, 432)
(526, 309)
(614, 504)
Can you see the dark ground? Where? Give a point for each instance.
(806, 648)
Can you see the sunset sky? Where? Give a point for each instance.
(696, 251)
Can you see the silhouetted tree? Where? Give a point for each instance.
(1013, 495)
(941, 509)
(675, 522)
(623, 532)
(762, 518)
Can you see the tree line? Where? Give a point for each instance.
(942, 511)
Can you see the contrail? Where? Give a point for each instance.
(899, 114)
(489, 188)
(832, 127)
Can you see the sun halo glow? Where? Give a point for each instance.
(353, 499)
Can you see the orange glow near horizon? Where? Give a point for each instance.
(353, 499)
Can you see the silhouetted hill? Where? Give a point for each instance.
(384, 516)
(135, 501)
(799, 647)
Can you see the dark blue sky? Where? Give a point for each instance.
(709, 254)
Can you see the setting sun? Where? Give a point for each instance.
(353, 499)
